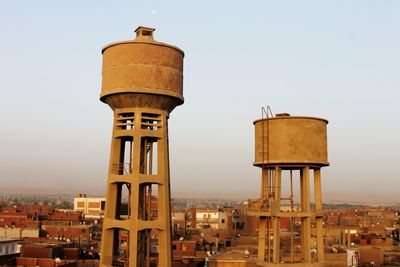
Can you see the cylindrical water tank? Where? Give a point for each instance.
(142, 72)
(291, 141)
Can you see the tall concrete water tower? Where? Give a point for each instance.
(291, 148)
(142, 83)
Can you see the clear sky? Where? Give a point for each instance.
(339, 60)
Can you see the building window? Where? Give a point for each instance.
(223, 221)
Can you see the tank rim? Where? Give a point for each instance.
(180, 98)
(293, 165)
(292, 117)
(141, 42)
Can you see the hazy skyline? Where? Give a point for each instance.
(338, 60)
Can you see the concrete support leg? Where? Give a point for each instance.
(276, 241)
(348, 239)
(276, 219)
(164, 207)
(319, 217)
(302, 207)
(135, 170)
(305, 188)
(264, 184)
(261, 239)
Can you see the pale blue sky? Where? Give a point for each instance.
(339, 60)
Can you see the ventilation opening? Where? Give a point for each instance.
(151, 121)
(147, 33)
(125, 121)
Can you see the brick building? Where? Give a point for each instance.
(71, 233)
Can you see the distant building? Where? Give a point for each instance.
(179, 223)
(14, 232)
(89, 206)
(211, 218)
(183, 249)
(9, 247)
(73, 217)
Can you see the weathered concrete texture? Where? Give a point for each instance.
(142, 83)
(291, 140)
(142, 66)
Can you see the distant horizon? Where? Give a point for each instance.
(328, 198)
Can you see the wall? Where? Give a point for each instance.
(89, 206)
(9, 248)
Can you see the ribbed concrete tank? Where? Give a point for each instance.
(289, 147)
(142, 73)
(290, 140)
(142, 83)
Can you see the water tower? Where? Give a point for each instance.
(290, 149)
(142, 83)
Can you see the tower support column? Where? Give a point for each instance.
(319, 214)
(276, 222)
(261, 238)
(306, 221)
(134, 162)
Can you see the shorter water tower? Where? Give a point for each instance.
(290, 149)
